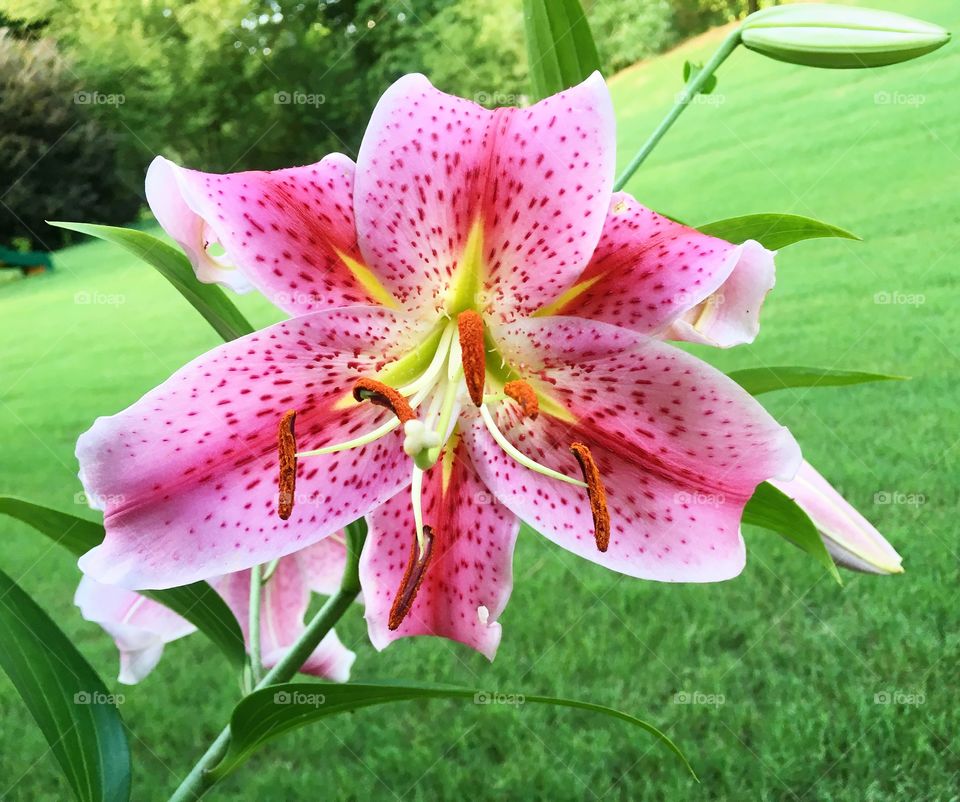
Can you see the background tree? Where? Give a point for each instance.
(55, 162)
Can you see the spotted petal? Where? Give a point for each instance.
(469, 576)
(289, 233)
(851, 539)
(283, 605)
(452, 197)
(187, 475)
(679, 446)
(139, 626)
(649, 272)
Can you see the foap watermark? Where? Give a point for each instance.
(699, 698)
(899, 99)
(696, 498)
(899, 497)
(299, 698)
(495, 698)
(900, 698)
(85, 97)
(97, 501)
(898, 298)
(495, 99)
(87, 298)
(714, 99)
(298, 98)
(98, 698)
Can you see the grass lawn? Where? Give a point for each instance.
(796, 659)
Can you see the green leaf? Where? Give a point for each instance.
(277, 709)
(770, 509)
(208, 299)
(782, 377)
(691, 68)
(773, 231)
(559, 45)
(199, 603)
(69, 702)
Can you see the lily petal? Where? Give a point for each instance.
(470, 574)
(851, 539)
(283, 605)
(649, 271)
(139, 626)
(289, 233)
(731, 315)
(323, 564)
(680, 449)
(188, 474)
(511, 201)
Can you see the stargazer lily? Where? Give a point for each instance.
(141, 627)
(476, 341)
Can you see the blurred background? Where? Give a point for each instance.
(779, 685)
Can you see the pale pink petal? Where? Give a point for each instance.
(188, 474)
(283, 605)
(323, 564)
(851, 539)
(649, 271)
(730, 315)
(680, 447)
(139, 626)
(535, 183)
(289, 233)
(470, 574)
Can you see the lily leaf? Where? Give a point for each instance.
(560, 46)
(277, 709)
(208, 299)
(770, 509)
(69, 702)
(782, 377)
(691, 68)
(773, 231)
(199, 603)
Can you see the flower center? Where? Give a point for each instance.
(427, 406)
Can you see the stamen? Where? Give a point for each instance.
(596, 493)
(287, 449)
(412, 579)
(519, 456)
(383, 396)
(470, 327)
(525, 396)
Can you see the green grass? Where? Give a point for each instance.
(796, 659)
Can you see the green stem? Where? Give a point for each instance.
(690, 91)
(199, 781)
(256, 661)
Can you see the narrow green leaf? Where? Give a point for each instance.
(782, 377)
(208, 299)
(199, 603)
(773, 231)
(560, 46)
(272, 711)
(69, 702)
(777, 512)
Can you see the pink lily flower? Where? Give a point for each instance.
(851, 539)
(141, 627)
(476, 342)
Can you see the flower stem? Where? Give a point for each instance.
(683, 100)
(199, 780)
(256, 661)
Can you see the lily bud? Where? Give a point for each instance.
(851, 539)
(839, 37)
